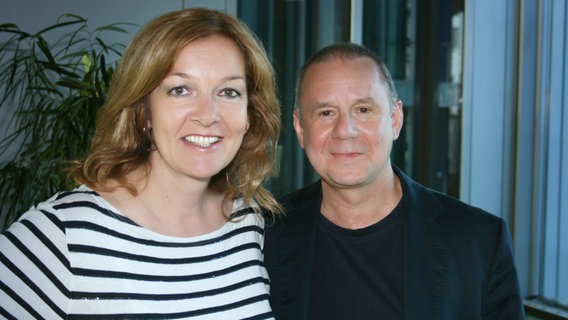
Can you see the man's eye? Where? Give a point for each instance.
(230, 93)
(326, 113)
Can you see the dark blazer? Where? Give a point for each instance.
(459, 260)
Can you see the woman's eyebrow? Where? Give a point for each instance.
(188, 76)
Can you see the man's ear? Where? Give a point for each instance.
(397, 119)
(298, 128)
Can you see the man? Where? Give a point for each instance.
(366, 241)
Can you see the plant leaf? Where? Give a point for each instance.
(55, 88)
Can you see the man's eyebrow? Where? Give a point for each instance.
(368, 100)
(320, 105)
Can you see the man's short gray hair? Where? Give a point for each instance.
(346, 50)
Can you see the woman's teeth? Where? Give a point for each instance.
(201, 140)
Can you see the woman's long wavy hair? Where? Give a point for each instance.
(120, 143)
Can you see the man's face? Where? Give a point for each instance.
(347, 126)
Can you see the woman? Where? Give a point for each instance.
(166, 223)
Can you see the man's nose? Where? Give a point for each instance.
(345, 127)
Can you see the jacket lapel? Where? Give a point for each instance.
(295, 247)
(426, 252)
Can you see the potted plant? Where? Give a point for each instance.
(53, 90)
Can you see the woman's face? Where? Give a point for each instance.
(198, 113)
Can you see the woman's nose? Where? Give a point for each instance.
(205, 112)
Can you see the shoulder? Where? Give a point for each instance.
(434, 205)
(42, 231)
(298, 204)
(469, 235)
(54, 207)
(448, 216)
(468, 219)
(63, 209)
(301, 198)
(64, 199)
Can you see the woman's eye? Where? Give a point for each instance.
(230, 93)
(179, 91)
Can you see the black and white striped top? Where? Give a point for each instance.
(75, 257)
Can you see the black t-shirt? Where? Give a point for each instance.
(359, 274)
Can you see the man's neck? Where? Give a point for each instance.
(356, 208)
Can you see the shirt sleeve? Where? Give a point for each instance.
(503, 300)
(35, 275)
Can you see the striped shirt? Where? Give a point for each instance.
(74, 256)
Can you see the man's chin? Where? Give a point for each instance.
(345, 181)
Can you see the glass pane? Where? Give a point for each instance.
(291, 31)
(421, 42)
(422, 45)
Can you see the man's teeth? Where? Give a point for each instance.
(201, 140)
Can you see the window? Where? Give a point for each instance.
(542, 207)
(426, 68)
(422, 45)
(484, 85)
(291, 32)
